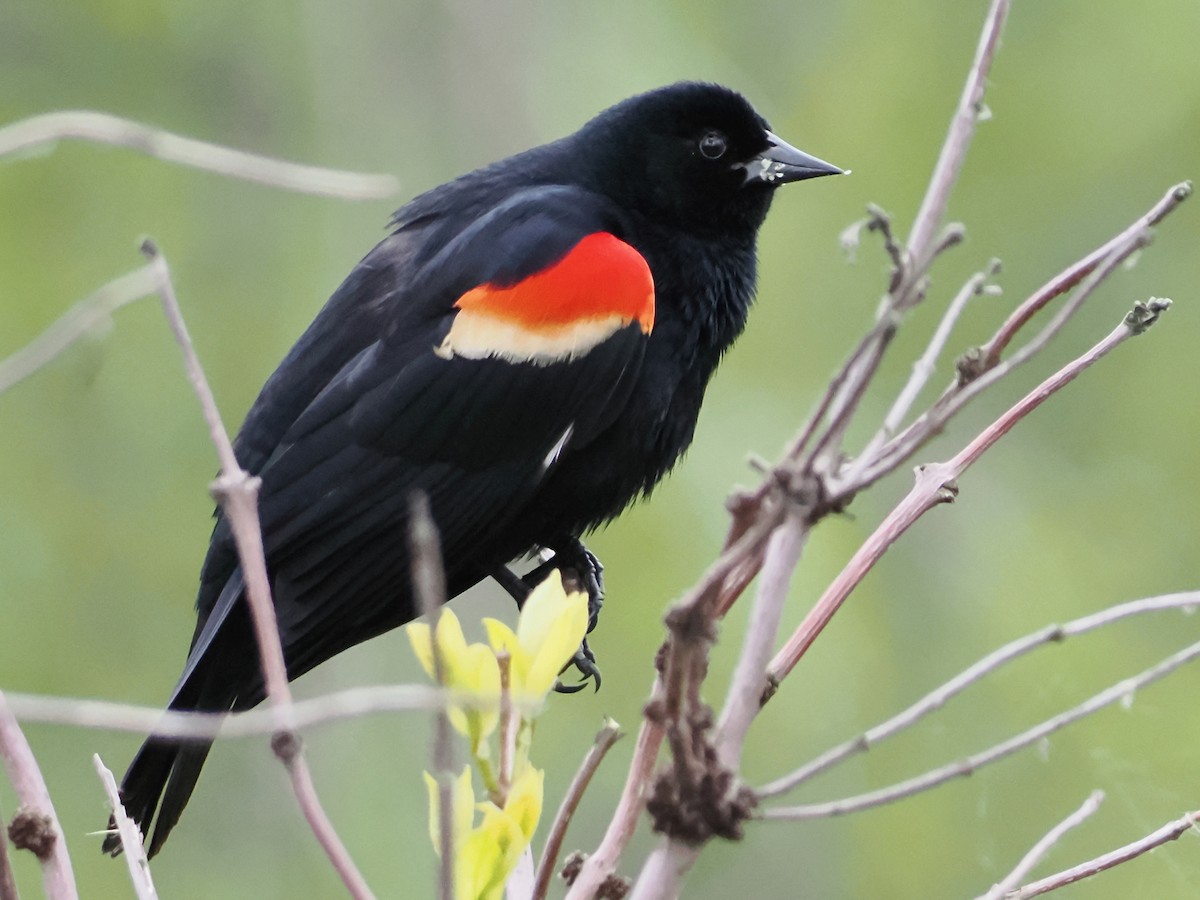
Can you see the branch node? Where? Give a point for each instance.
(971, 365)
(1145, 314)
(613, 887)
(770, 690)
(33, 831)
(228, 484)
(697, 807)
(286, 745)
(951, 236)
(948, 492)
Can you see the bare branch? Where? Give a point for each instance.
(81, 319)
(964, 390)
(935, 484)
(1140, 318)
(907, 286)
(131, 835)
(935, 700)
(237, 492)
(745, 690)
(1076, 272)
(429, 586)
(982, 368)
(1118, 692)
(1039, 850)
(1169, 832)
(86, 125)
(671, 860)
(608, 735)
(35, 826)
(954, 149)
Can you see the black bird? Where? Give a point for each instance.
(529, 347)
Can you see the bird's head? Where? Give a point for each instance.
(692, 155)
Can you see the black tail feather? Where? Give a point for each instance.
(163, 770)
(160, 780)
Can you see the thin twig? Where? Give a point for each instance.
(509, 724)
(131, 836)
(923, 368)
(1169, 832)
(81, 319)
(923, 245)
(1076, 272)
(237, 492)
(429, 586)
(39, 828)
(954, 148)
(1119, 692)
(983, 368)
(602, 863)
(352, 703)
(1039, 850)
(87, 125)
(607, 736)
(973, 674)
(937, 483)
(956, 397)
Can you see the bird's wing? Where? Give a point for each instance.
(520, 337)
(350, 321)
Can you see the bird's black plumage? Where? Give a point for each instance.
(443, 364)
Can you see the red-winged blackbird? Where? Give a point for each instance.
(529, 347)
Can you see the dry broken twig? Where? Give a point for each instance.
(131, 835)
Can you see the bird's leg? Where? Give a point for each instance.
(514, 585)
(576, 563)
(570, 555)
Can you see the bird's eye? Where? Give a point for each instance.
(713, 145)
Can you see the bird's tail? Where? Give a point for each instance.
(160, 779)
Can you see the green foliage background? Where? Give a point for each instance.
(104, 458)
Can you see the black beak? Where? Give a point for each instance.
(781, 163)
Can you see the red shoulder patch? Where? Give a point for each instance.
(599, 287)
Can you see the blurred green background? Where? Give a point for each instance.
(104, 458)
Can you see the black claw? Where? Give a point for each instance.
(574, 560)
(585, 661)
